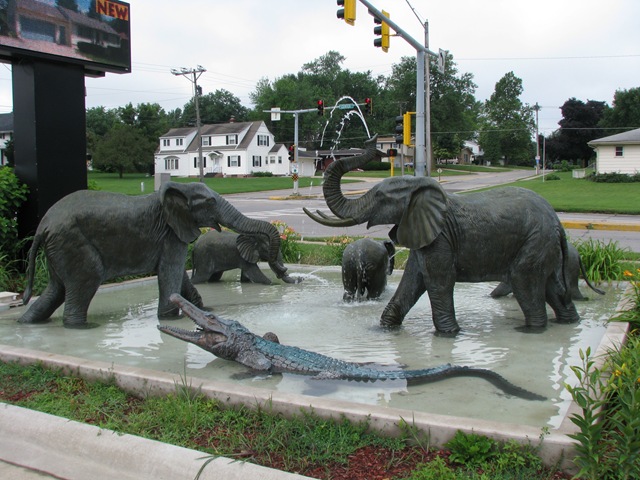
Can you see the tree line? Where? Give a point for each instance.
(124, 139)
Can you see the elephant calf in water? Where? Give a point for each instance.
(366, 263)
(217, 252)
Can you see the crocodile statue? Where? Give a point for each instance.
(230, 340)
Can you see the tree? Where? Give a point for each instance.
(454, 109)
(216, 107)
(579, 125)
(321, 79)
(625, 112)
(507, 123)
(124, 148)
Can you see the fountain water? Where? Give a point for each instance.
(312, 315)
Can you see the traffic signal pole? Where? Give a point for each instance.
(423, 135)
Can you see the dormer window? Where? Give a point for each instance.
(232, 139)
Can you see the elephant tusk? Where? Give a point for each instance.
(324, 219)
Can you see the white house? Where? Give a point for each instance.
(228, 149)
(618, 153)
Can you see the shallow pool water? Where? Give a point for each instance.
(312, 315)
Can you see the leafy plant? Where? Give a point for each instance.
(12, 194)
(602, 261)
(609, 426)
(471, 449)
(289, 242)
(337, 245)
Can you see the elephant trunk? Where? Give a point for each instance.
(351, 211)
(230, 217)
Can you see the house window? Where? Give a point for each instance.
(232, 139)
(263, 140)
(619, 151)
(206, 141)
(272, 159)
(166, 142)
(233, 161)
(179, 141)
(279, 159)
(171, 163)
(195, 162)
(257, 161)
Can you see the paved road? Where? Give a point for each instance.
(279, 205)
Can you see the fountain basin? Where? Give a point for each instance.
(311, 315)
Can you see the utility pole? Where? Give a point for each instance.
(536, 107)
(192, 74)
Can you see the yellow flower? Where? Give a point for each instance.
(627, 273)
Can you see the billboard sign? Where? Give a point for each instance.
(93, 33)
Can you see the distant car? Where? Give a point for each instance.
(409, 165)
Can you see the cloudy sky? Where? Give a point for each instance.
(585, 49)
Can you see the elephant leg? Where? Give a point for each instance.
(253, 274)
(565, 312)
(409, 291)
(190, 292)
(77, 300)
(169, 282)
(47, 303)
(530, 295)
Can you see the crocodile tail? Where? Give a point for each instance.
(448, 371)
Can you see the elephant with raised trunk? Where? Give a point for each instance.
(507, 233)
(366, 263)
(217, 252)
(90, 237)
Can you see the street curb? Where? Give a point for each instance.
(582, 225)
(71, 450)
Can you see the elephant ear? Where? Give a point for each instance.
(248, 247)
(177, 213)
(424, 218)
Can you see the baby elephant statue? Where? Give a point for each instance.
(365, 266)
(574, 268)
(91, 236)
(216, 252)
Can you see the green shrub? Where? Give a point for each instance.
(552, 176)
(602, 261)
(608, 439)
(337, 245)
(289, 242)
(613, 177)
(12, 194)
(262, 174)
(377, 166)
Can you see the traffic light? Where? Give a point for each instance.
(348, 13)
(403, 129)
(392, 152)
(399, 129)
(292, 153)
(321, 107)
(383, 31)
(368, 106)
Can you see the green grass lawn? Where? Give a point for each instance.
(131, 183)
(579, 195)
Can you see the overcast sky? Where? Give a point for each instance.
(585, 49)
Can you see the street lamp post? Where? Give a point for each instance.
(192, 74)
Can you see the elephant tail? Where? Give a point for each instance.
(565, 267)
(583, 270)
(31, 268)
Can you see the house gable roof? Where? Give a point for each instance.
(630, 137)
